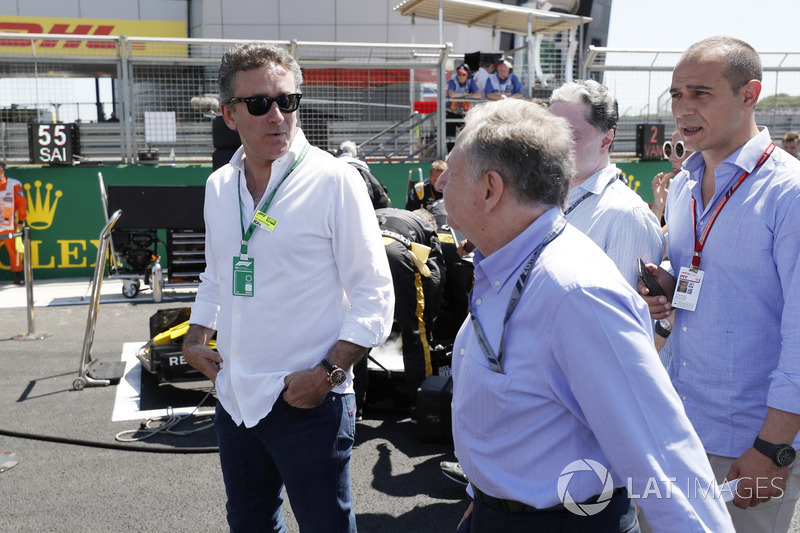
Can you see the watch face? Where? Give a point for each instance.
(785, 456)
(337, 377)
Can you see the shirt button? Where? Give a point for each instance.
(479, 301)
(684, 363)
(497, 283)
(462, 351)
(236, 354)
(683, 398)
(684, 328)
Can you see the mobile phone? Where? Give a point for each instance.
(649, 281)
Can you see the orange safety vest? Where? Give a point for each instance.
(13, 205)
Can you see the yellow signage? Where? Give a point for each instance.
(80, 27)
(41, 213)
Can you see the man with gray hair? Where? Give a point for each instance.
(555, 412)
(378, 194)
(297, 287)
(600, 204)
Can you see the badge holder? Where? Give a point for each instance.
(687, 292)
(243, 276)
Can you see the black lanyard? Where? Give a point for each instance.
(587, 195)
(496, 361)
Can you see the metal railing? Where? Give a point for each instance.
(163, 91)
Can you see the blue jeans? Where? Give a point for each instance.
(308, 450)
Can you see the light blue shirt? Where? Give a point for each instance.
(617, 220)
(739, 351)
(581, 380)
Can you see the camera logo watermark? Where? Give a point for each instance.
(654, 488)
(585, 509)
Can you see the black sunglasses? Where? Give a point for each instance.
(680, 150)
(260, 105)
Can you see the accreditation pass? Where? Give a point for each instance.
(688, 289)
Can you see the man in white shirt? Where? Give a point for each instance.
(297, 287)
(487, 69)
(599, 203)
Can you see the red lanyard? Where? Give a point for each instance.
(699, 243)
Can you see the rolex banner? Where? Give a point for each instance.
(65, 210)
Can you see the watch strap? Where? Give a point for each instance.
(327, 365)
(661, 330)
(773, 451)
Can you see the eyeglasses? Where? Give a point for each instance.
(260, 105)
(680, 150)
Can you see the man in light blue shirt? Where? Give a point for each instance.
(562, 412)
(736, 356)
(599, 203)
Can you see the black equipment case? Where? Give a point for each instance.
(434, 418)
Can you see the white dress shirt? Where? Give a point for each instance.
(320, 276)
(480, 78)
(617, 220)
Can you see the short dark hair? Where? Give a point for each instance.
(527, 145)
(3, 165)
(249, 56)
(741, 63)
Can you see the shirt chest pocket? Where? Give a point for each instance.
(483, 395)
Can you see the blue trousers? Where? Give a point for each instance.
(307, 450)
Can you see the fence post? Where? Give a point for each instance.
(26, 263)
(128, 120)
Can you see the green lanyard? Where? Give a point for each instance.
(260, 218)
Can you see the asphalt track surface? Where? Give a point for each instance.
(61, 486)
(74, 476)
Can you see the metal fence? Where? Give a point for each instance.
(164, 91)
(384, 97)
(640, 80)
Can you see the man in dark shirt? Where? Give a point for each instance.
(424, 194)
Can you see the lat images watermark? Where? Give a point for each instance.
(586, 508)
(654, 488)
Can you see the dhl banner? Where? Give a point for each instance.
(80, 27)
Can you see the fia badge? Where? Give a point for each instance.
(264, 221)
(243, 275)
(688, 290)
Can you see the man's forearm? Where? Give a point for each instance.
(345, 354)
(780, 427)
(198, 335)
